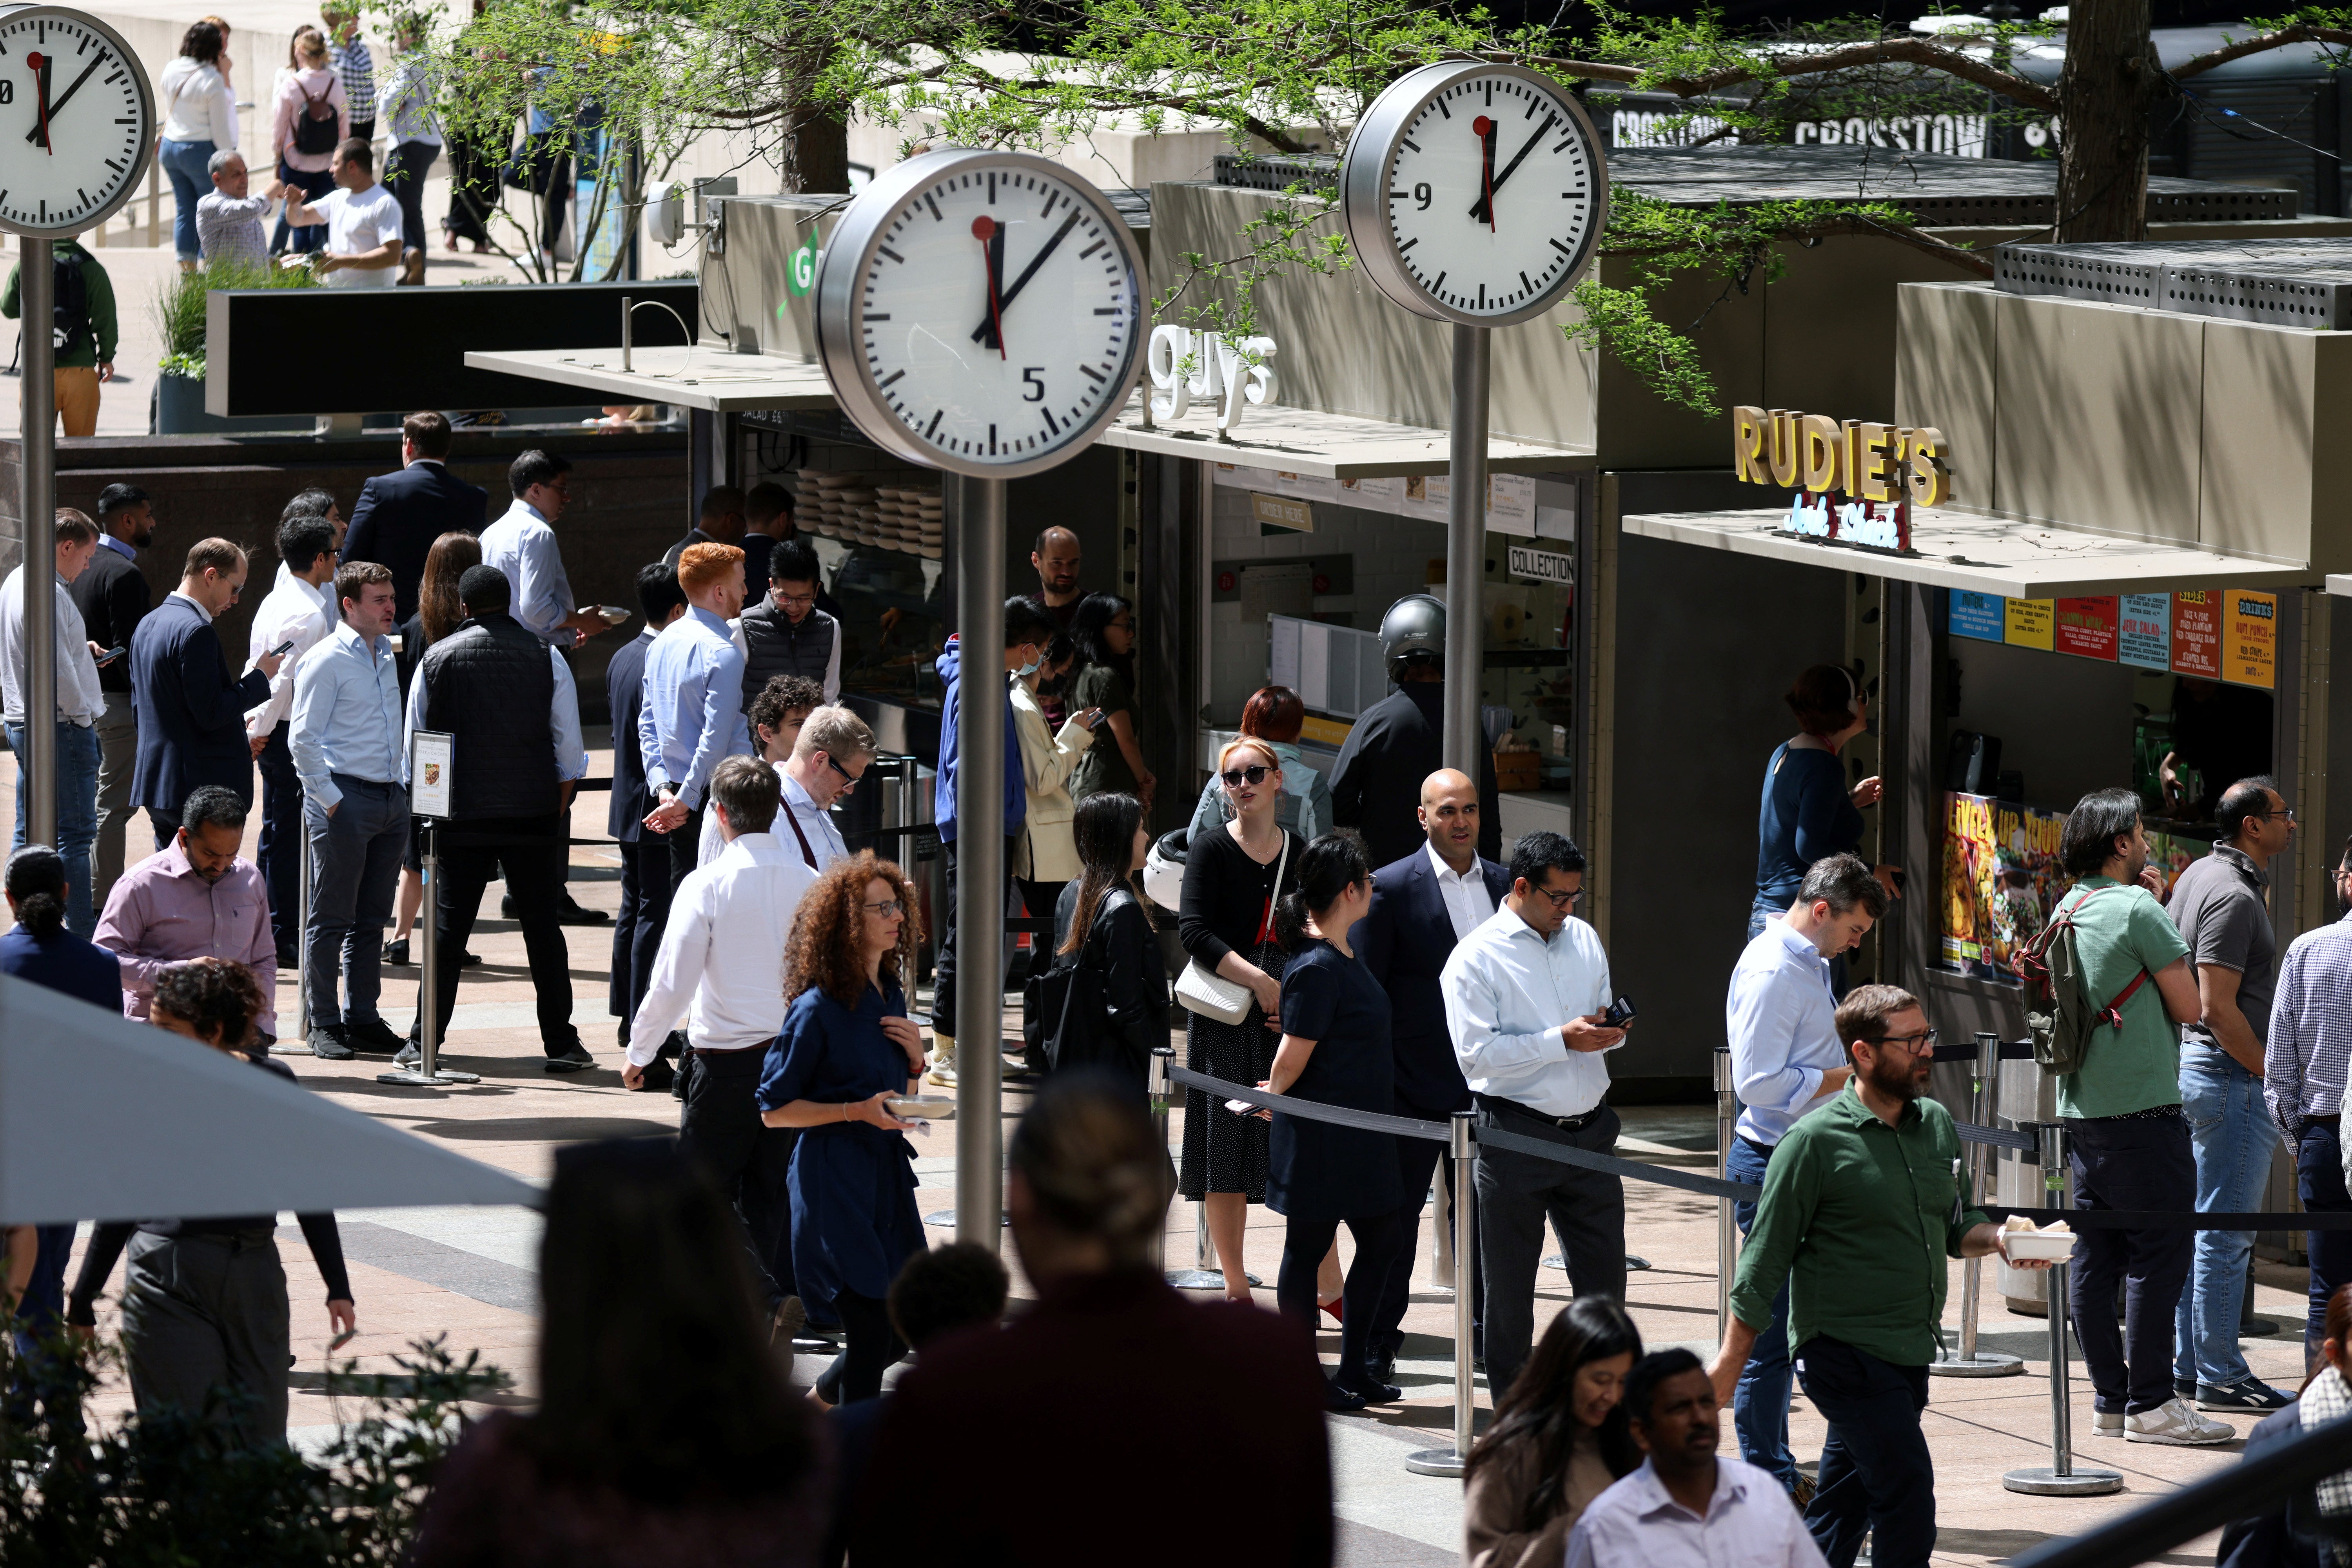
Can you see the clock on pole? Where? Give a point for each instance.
(76, 129)
(982, 312)
(1473, 194)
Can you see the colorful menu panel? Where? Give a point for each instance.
(2031, 624)
(2197, 635)
(2144, 629)
(2253, 659)
(1978, 616)
(2086, 628)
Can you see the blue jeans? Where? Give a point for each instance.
(310, 185)
(1759, 1407)
(184, 162)
(2232, 1134)
(77, 814)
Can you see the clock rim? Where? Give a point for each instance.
(1364, 190)
(842, 263)
(145, 151)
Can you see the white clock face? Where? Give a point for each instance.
(1493, 190)
(74, 121)
(996, 314)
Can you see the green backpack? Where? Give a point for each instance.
(2058, 1012)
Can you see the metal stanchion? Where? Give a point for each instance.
(1452, 1462)
(296, 1040)
(1726, 1221)
(428, 1070)
(2061, 1479)
(1972, 1361)
(1156, 1086)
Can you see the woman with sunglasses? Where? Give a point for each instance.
(847, 1050)
(1274, 715)
(1233, 877)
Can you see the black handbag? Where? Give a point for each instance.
(1064, 1013)
(533, 165)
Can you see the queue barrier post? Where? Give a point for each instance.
(1463, 1152)
(1972, 1361)
(1726, 1219)
(428, 1073)
(2061, 1479)
(1156, 1087)
(296, 1041)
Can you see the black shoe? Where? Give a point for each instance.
(506, 906)
(396, 953)
(468, 960)
(1341, 1401)
(331, 1042)
(573, 913)
(576, 1060)
(372, 1036)
(2247, 1394)
(1380, 1369)
(1372, 1391)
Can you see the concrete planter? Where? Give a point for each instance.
(178, 409)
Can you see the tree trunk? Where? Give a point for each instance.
(2106, 89)
(817, 153)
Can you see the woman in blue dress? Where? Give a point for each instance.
(847, 1051)
(1335, 1049)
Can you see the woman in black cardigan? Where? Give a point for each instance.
(1102, 927)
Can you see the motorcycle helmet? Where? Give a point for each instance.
(1414, 627)
(1163, 869)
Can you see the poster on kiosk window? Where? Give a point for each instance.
(2003, 878)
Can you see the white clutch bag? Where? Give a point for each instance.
(1211, 996)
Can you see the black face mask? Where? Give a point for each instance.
(1053, 688)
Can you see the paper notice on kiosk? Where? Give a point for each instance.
(2253, 639)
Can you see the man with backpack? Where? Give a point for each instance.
(2108, 988)
(85, 333)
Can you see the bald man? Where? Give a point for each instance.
(1058, 561)
(1421, 905)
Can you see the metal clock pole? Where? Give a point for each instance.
(1465, 547)
(979, 1022)
(37, 766)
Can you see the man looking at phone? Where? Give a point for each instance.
(191, 715)
(295, 617)
(113, 598)
(79, 702)
(832, 754)
(1786, 1060)
(1526, 999)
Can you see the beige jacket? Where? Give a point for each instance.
(1491, 1536)
(1046, 852)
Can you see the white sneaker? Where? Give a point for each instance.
(942, 1071)
(2174, 1422)
(2108, 1423)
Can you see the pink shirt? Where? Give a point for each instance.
(160, 912)
(290, 104)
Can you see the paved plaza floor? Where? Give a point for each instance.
(471, 1274)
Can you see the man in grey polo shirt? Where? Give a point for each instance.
(2221, 905)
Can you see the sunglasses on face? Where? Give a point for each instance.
(1235, 778)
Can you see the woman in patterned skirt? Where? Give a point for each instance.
(1233, 876)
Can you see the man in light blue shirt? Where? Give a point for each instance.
(692, 717)
(1525, 994)
(523, 544)
(1781, 1018)
(345, 736)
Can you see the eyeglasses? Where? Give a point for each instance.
(235, 591)
(1235, 778)
(1562, 900)
(2286, 811)
(849, 779)
(887, 908)
(801, 600)
(1916, 1044)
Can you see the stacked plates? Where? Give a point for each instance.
(884, 508)
(913, 518)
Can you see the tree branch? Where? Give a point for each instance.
(2238, 49)
(1876, 51)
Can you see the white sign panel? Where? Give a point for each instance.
(1543, 566)
(431, 754)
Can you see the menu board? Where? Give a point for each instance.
(2086, 628)
(2253, 639)
(2002, 878)
(2031, 624)
(1978, 616)
(2210, 634)
(2197, 635)
(2144, 629)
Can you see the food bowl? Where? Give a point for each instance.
(2046, 1246)
(921, 1107)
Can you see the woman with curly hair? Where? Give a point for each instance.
(205, 1314)
(847, 1050)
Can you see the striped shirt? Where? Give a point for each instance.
(355, 68)
(2310, 1028)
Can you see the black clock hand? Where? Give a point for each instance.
(40, 129)
(1005, 300)
(1478, 210)
(60, 101)
(991, 235)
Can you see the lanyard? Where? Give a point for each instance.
(806, 853)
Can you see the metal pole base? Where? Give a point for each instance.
(1435, 1462)
(1206, 1280)
(415, 1079)
(291, 1048)
(2047, 1482)
(1984, 1363)
(1560, 1262)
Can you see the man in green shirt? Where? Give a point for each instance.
(1861, 1208)
(85, 348)
(2126, 1139)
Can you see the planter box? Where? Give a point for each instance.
(178, 409)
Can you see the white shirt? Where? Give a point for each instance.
(294, 612)
(79, 700)
(1749, 1523)
(523, 546)
(359, 221)
(1509, 993)
(824, 839)
(1780, 1018)
(722, 951)
(713, 843)
(197, 105)
(562, 715)
(1467, 903)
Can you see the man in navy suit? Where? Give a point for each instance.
(1421, 905)
(399, 515)
(191, 708)
(645, 856)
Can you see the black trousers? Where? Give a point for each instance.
(1515, 1193)
(1417, 1162)
(645, 890)
(1304, 1244)
(2144, 1163)
(870, 1346)
(684, 844)
(166, 825)
(404, 169)
(720, 1126)
(2319, 1173)
(1876, 1475)
(471, 854)
(280, 854)
(943, 967)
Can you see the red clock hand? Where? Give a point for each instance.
(1485, 129)
(39, 66)
(984, 229)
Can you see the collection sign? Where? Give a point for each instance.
(2209, 634)
(1544, 566)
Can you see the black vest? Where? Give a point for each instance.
(489, 683)
(773, 646)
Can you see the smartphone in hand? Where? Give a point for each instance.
(112, 655)
(280, 650)
(1621, 1013)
